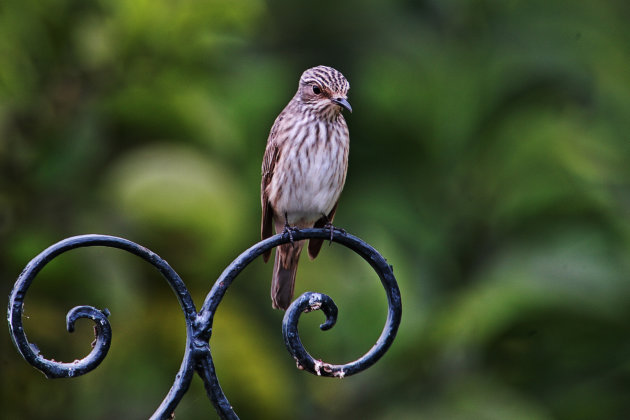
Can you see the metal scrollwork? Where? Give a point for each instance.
(197, 355)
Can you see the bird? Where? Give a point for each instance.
(304, 170)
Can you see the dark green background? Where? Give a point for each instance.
(489, 163)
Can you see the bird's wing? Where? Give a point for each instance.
(269, 162)
(315, 245)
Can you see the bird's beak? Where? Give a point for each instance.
(343, 102)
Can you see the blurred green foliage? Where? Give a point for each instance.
(489, 164)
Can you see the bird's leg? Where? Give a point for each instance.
(287, 228)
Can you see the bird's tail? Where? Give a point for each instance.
(284, 270)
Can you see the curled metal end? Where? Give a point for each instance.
(99, 317)
(100, 345)
(102, 339)
(311, 301)
(308, 302)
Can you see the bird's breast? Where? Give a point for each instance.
(310, 173)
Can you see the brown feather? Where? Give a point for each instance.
(284, 271)
(315, 245)
(269, 163)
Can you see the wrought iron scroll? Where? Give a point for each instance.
(197, 355)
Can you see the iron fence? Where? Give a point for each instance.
(197, 356)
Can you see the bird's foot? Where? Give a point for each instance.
(332, 230)
(288, 230)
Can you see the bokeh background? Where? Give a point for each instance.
(489, 163)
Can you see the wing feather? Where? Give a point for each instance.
(315, 245)
(272, 153)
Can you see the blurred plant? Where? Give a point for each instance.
(488, 163)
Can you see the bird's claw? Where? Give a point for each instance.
(332, 229)
(288, 230)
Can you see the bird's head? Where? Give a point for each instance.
(325, 90)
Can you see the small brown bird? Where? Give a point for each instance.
(304, 170)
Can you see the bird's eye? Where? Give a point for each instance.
(316, 90)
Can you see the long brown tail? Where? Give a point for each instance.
(284, 270)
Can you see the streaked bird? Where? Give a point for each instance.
(304, 170)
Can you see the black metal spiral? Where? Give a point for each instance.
(197, 355)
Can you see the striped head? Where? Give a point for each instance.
(324, 90)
